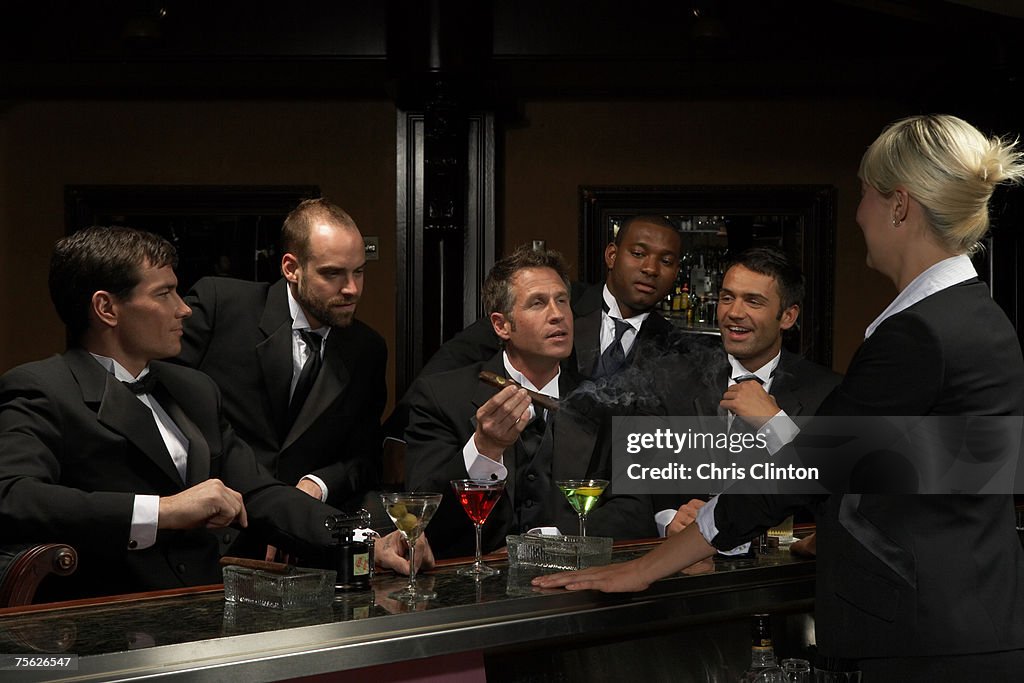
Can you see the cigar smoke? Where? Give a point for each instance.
(662, 379)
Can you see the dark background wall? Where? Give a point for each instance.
(583, 93)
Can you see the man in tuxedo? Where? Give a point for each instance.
(755, 381)
(461, 428)
(303, 380)
(128, 458)
(642, 262)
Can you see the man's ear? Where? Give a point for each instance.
(290, 267)
(502, 325)
(789, 317)
(103, 307)
(609, 255)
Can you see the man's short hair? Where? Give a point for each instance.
(101, 259)
(298, 223)
(497, 291)
(774, 263)
(659, 221)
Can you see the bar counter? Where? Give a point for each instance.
(194, 635)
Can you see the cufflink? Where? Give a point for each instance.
(132, 545)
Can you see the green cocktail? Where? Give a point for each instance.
(582, 495)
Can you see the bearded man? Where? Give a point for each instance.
(303, 380)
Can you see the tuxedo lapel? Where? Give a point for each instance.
(120, 410)
(706, 402)
(329, 385)
(275, 353)
(784, 385)
(172, 397)
(652, 337)
(570, 438)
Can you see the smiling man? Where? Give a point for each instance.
(303, 380)
(759, 300)
(760, 383)
(461, 428)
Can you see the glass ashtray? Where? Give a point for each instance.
(558, 552)
(299, 589)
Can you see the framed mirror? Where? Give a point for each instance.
(716, 221)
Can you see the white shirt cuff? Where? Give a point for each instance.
(778, 431)
(319, 482)
(145, 518)
(479, 466)
(706, 525)
(663, 519)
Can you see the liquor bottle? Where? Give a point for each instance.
(684, 299)
(697, 275)
(763, 667)
(677, 301)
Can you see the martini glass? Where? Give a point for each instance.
(411, 512)
(582, 495)
(478, 497)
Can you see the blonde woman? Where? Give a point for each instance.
(927, 587)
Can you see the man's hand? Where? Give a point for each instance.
(685, 516)
(391, 552)
(501, 420)
(749, 401)
(210, 504)
(310, 487)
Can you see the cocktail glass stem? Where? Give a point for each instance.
(479, 530)
(583, 524)
(412, 565)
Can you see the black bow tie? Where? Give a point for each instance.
(142, 386)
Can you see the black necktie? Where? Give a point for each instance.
(142, 386)
(748, 378)
(613, 357)
(307, 377)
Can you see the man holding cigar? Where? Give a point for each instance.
(616, 324)
(460, 428)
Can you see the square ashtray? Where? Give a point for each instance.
(558, 552)
(298, 589)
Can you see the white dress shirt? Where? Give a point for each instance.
(608, 324)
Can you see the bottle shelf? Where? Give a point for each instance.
(680, 323)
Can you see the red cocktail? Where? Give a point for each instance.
(478, 498)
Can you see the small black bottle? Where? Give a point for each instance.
(353, 559)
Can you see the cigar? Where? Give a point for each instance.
(539, 400)
(262, 565)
